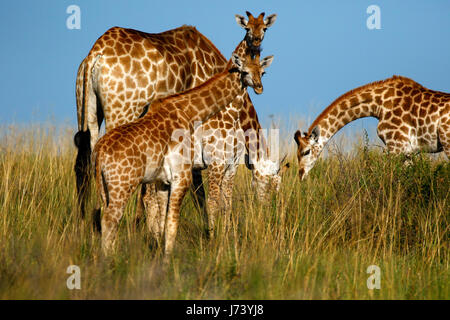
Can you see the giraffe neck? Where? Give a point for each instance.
(247, 112)
(242, 49)
(253, 51)
(254, 141)
(209, 98)
(358, 103)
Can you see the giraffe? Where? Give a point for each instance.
(224, 142)
(127, 69)
(411, 118)
(154, 148)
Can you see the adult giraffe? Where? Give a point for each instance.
(127, 69)
(149, 150)
(411, 118)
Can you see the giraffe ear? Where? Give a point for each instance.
(315, 133)
(266, 62)
(241, 21)
(270, 20)
(236, 60)
(297, 137)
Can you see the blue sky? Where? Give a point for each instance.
(322, 49)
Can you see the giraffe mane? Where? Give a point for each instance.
(208, 41)
(356, 90)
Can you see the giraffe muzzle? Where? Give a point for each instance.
(258, 89)
(257, 42)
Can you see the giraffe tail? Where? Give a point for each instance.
(102, 190)
(82, 141)
(84, 96)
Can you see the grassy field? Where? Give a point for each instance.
(315, 240)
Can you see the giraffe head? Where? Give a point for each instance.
(256, 28)
(266, 175)
(251, 70)
(308, 150)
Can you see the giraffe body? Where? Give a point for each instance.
(127, 69)
(411, 118)
(154, 148)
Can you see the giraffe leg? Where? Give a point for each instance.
(147, 205)
(227, 191)
(215, 179)
(198, 192)
(162, 196)
(140, 205)
(115, 205)
(155, 200)
(178, 190)
(110, 223)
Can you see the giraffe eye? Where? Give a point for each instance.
(263, 73)
(247, 29)
(305, 153)
(265, 29)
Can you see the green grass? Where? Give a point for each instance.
(314, 240)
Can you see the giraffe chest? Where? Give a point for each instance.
(412, 131)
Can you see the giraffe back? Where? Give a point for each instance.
(135, 67)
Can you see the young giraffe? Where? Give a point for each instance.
(223, 141)
(222, 162)
(411, 118)
(127, 69)
(151, 149)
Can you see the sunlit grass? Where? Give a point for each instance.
(314, 240)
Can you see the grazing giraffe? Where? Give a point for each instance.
(127, 69)
(411, 118)
(154, 148)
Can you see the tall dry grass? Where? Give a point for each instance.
(315, 240)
